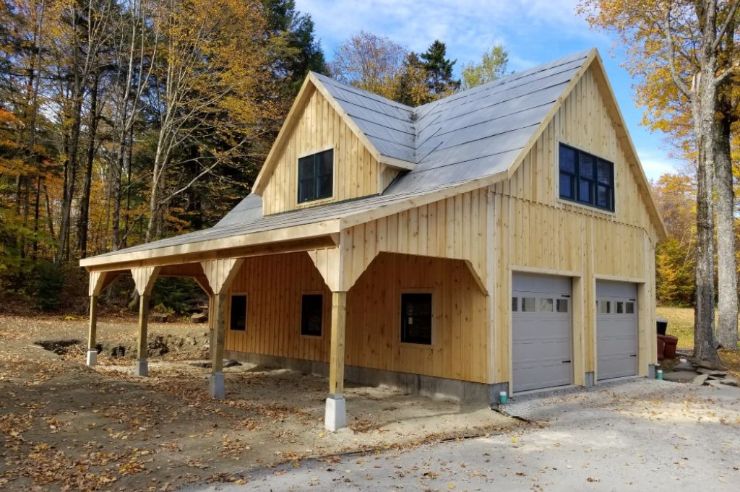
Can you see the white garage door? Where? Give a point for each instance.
(541, 332)
(616, 326)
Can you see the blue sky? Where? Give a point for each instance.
(533, 32)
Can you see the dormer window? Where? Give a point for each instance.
(315, 176)
(586, 179)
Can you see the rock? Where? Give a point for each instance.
(160, 317)
(700, 379)
(119, 351)
(679, 376)
(711, 372)
(158, 346)
(231, 363)
(729, 382)
(199, 318)
(684, 365)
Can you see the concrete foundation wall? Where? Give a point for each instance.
(464, 392)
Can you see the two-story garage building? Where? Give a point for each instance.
(502, 238)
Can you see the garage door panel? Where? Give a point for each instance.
(617, 340)
(541, 336)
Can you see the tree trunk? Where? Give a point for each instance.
(84, 219)
(727, 305)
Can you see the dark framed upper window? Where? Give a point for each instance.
(312, 310)
(586, 179)
(416, 318)
(238, 316)
(315, 176)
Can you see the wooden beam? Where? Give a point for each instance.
(282, 240)
(336, 356)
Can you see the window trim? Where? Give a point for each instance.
(300, 314)
(246, 311)
(576, 202)
(433, 338)
(315, 201)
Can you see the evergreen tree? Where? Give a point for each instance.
(439, 69)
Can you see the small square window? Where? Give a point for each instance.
(544, 305)
(312, 310)
(620, 307)
(515, 304)
(562, 305)
(315, 176)
(238, 316)
(416, 318)
(528, 304)
(629, 308)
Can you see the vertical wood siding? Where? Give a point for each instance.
(536, 230)
(274, 285)
(356, 172)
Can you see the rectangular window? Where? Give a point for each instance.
(544, 305)
(312, 310)
(238, 317)
(515, 304)
(586, 179)
(315, 176)
(630, 308)
(416, 318)
(605, 307)
(620, 307)
(562, 305)
(528, 304)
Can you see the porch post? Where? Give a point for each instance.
(216, 384)
(142, 364)
(335, 415)
(219, 273)
(92, 353)
(95, 286)
(144, 278)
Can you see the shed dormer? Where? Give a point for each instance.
(337, 143)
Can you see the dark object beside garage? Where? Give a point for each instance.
(661, 346)
(662, 325)
(670, 347)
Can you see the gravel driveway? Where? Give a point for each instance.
(637, 435)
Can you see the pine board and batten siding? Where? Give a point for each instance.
(319, 127)
(458, 349)
(536, 231)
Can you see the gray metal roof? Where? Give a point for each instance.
(470, 135)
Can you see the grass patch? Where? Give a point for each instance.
(680, 324)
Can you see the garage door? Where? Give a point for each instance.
(541, 332)
(616, 326)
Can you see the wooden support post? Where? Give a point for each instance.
(219, 273)
(335, 416)
(97, 282)
(92, 351)
(144, 278)
(142, 368)
(217, 384)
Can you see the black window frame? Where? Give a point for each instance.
(409, 334)
(232, 312)
(318, 184)
(316, 301)
(579, 176)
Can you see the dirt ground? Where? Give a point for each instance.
(635, 435)
(65, 426)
